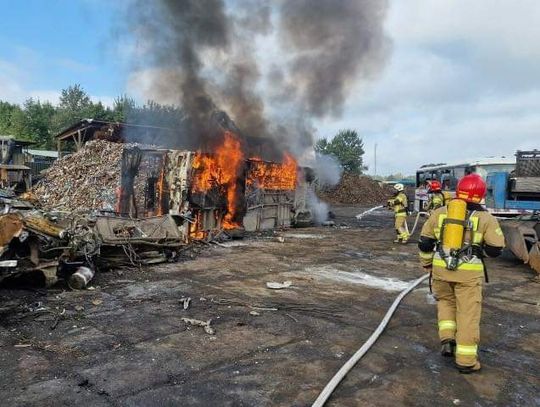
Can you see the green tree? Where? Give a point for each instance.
(38, 122)
(75, 104)
(41, 121)
(347, 147)
(10, 117)
(74, 99)
(122, 108)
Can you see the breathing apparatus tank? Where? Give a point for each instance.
(454, 232)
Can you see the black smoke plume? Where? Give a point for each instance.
(204, 56)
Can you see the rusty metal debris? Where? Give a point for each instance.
(40, 248)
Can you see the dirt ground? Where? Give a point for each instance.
(124, 343)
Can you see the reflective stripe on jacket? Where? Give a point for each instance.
(399, 204)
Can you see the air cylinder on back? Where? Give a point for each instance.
(454, 228)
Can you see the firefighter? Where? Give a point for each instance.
(452, 245)
(436, 197)
(398, 203)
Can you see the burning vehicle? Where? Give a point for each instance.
(221, 191)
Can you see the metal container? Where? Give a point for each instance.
(80, 278)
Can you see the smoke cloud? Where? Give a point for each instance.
(332, 43)
(205, 56)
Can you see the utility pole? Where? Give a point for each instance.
(375, 159)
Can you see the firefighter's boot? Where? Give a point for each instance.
(469, 369)
(448, 348)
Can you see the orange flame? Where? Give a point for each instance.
(273, 176)
(161, 191)
(195, 228)
(221, 169)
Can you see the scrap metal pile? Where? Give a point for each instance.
(66, 227)
(40, 248)
(111, 204)
(87, 179)
(356, 189)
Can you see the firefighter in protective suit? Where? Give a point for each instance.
(452, 244)
(398, 203)
(436, 197)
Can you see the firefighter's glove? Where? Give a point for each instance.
(427, 269)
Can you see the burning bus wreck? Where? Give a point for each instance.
(214, 192)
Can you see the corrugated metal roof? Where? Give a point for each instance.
(43, 153)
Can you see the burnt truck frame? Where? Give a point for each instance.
(139, 195)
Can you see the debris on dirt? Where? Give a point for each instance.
(59, 316)
(278, 286)
(254, 313)
(197, 322)
(356, 189)
(186, 302)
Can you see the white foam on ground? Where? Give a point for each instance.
(233, 243)
(357, 277)
(302, 236)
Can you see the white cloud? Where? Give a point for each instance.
(462, 82)
(498, 26)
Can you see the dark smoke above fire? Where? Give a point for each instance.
(210, 55)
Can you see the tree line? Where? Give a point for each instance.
(39, 121)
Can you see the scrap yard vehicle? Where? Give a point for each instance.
(449, 174)
(516, 195)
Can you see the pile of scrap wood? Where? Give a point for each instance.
(87, 179)
(356, 189)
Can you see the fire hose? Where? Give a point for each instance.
(416, 222)
(361, 215)
(338, 377)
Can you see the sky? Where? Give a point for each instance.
(462, 79)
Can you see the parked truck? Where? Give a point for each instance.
(517, 194)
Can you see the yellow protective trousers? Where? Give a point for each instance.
(401, 226)
(459, 307)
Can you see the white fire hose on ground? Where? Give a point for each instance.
(331, 386)
(361, 215)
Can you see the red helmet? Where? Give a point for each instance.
(434, 186)
(471, 188)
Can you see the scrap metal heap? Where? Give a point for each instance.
(39, 248)
(84, 180)
(111, 204)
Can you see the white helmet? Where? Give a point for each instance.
(399, 187)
